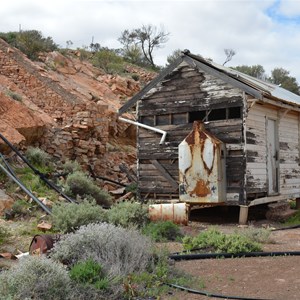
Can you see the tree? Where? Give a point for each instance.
(147, 38)
(108, 60)
(256, 71)
(282, 77)
(229, 54)
(278, 76)
(173, 56)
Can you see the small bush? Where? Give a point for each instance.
(20, 208)
(3, 234)
(35, 278)
(14, 95)
(71, 166)
(37, 156)
(162, 231)
(68, 217)
(127, 214)
(293, 220)
(89, 272)
(259, 235)
(120, 251)
(214, 240)
(79, 184)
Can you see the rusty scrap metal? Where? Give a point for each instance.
(201, 167)
(42, 243)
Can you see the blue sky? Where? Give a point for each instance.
(265, 32)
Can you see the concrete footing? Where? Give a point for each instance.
(243, 219)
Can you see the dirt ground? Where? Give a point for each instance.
(275, 278)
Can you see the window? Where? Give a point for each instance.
(197, 116)
(216, 114)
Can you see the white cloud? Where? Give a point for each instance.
(205, 27)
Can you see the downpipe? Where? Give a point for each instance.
(164, 133)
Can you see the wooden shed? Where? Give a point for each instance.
(258, 123)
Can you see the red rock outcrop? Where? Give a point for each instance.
(66, 106)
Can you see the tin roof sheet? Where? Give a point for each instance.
(267, 88)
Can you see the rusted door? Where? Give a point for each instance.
(272, 156)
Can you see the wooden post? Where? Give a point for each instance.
(298, 203)
(243, 214)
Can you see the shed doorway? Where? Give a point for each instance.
(272, 157)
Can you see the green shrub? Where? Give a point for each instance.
(162, 231)
(35, 278)
(30, 42)
(259, 235)
(3, 234)
(71, 166)
(214, 240)
(67, 217)
(20, 208)
(118, 250)
(127, 214)
(89, 272)
(80, 184)
(293, 220)
(109, 61)
(14, 95)
(37, 156)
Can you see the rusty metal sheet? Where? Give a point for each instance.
(42, 243)
(201, 167)
(178, 213)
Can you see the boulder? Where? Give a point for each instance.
(6, 202)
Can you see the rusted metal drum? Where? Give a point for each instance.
(178, 213)
(42, 243)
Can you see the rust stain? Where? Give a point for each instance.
(201, 189)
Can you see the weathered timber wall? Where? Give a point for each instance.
(172, 106)
(289, 155)
(256, 151)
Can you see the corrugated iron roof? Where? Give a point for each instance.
(254, 86)
(267, 88)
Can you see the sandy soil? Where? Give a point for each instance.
(275, 278)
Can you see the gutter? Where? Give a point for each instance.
(164, 133)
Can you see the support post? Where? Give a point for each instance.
(243, 214)
(298, 203)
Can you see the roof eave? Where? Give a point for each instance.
(131, 102)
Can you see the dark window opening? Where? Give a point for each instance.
(217, 114)
(197, 116)
(234, 112)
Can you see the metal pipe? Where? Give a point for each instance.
(231, 255)
(209, 294)
(20, 184)
(37, 172)
(164, 133)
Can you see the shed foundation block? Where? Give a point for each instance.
(243, 219)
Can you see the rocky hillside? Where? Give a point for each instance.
(67, 107)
